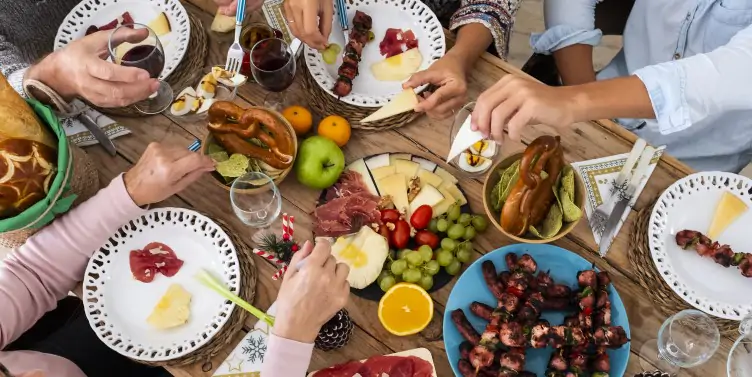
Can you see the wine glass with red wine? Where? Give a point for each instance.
(136, 45)
(273, 67)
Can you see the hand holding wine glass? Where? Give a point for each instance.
(80, 70)
(136, 45)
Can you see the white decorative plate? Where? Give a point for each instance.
(100, 12)
(117, 304)
(690, 203)
(399, 14)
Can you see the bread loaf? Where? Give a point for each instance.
(28, 154)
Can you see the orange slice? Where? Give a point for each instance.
(405, 309)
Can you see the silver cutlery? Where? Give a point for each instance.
(101, 137)
(235, 53)
(623, 199)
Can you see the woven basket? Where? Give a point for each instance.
(650, 280)
(84, 182)
(235, 323)
(184, 73)
(322, 102)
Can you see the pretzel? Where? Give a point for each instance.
(532, 196)
(231, 125)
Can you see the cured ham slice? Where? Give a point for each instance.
(152, 259)
(378, 366)
(348, 206)
(397, 41)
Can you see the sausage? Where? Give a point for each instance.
(465, 348)
(464, 327)
(230, 124)
(504, 277)
(481, 310)
(511, 260)
(558, 291)
(556, 303)
(531, 197)
(489, 274)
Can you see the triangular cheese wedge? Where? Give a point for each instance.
(172, 310)
(403, 102)
(464, 139)
(729, 209)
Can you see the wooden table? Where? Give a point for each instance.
(583, 141)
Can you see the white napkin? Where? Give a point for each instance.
(248, 356)
(79, 135)
(599, 175)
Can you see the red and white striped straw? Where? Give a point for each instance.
(280, 273)
(268, 256)
(285, 226)
(291, 226)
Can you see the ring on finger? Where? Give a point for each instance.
(290, 21)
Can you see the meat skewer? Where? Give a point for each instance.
(600, 365)
(721, 254)
(464, 327)
(359, 36)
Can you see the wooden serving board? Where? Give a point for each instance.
(417, 352)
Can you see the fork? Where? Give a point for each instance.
(235, 53)
(342, 13)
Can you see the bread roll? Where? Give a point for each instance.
(28, 154)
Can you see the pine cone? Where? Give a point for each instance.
(336, 333)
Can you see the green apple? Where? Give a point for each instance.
(319, 162)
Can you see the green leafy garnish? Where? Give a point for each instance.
(234, 167)
(219, 156)
(212, 148)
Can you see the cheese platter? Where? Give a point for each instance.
(396, 217)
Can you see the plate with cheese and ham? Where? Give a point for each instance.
(143, 300)
(167, 18)
(700, 244)
(351, 214)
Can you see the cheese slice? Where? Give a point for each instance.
(222, 23)
(378, 161)
(359, 166)
(382, 172)
(402, 102)
(393, 157)
(172, 310)
(425, 164)
(428, 178)
(456, 193)
(442, 207)
(407, 167)
(395, 186)
(364, 253)
(729, 209)
(428, 195)
(448, 178)
(160, 25)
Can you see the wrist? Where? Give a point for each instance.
(460, 58)
(46, 72)
(580, 102)
(132, 185)
(297, 333)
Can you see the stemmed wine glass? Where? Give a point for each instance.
(739, 362)
(257, 202)
(273, 67)
(136, 45)
(685, 340)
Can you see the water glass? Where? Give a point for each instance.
(739, 362)
(256, 201)
(685, 340)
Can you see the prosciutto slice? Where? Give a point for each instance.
(397, 41)
(348, 206)
(152, 259)
(378, 366)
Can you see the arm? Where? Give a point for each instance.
(12, 65)
(472, 41)
(497, 17)
(622, 97)
(34, 277)
(286, 358)
(570, 36)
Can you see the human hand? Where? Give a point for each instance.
(310, 21)
(230, 7)
(311, 296)
(448, 73)
(163, 171)
(79, 69)
(514, 102)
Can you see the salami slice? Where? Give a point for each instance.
(154, 258)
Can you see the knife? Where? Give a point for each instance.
(101, 137)
(623, 200)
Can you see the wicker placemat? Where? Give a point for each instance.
(648, 277)
(193, 61)
(323, 102)
(249, 275)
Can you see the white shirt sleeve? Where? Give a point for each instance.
(568, 22)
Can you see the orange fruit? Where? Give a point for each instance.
(336, 128)
(300, 119)
(405, 309)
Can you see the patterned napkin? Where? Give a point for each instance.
(599, 176)
(78, 133)
(248, 356)
(275, 17)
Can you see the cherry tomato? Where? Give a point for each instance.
(389, 215)
(425, 237)
(421, 217)
(400, 236)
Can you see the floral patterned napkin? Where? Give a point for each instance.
(79, 135)
(276, 18)
(248, 356)
(599, 176)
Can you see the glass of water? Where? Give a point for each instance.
(256, 201)
(740, 357)
(685, 340)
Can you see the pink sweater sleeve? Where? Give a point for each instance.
(35, 276)
(286, 358)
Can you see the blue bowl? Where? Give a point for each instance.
(563, 266)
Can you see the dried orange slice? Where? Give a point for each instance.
(405, 309)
